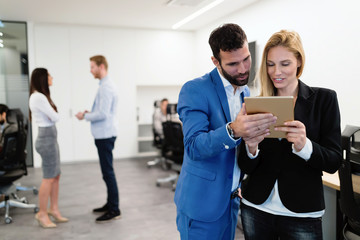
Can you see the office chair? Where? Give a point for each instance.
(15, 117)
(348, 172)
(173, 144)
(13, 162)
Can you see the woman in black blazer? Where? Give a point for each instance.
(283, 194)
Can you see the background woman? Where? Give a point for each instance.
(44, 113)
(283, 194)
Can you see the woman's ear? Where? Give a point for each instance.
(299, 62)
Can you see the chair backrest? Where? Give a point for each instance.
(13, 154)
(171, 113)
(173, 135)
(349, 171)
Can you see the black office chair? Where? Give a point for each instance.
(350, 170)
(13, 162)
(173, 144)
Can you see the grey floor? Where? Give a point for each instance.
(148, 212)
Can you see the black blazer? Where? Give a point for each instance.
(299, 181)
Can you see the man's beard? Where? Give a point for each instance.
(2, 122)
(233, 79)
(97, 75)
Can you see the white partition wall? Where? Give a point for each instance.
(330, 35)
(136, 57)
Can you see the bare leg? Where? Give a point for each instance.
(54, 198)
(54, 201)
(54, 195)
(44, 194)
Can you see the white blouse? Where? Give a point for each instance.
(41, 110)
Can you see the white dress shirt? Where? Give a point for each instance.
(234, 101)
(41, 110)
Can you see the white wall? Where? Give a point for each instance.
(330, 35)
(136, 58)
(140, 58)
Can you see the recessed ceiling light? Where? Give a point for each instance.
(182, 3)
(196, 14)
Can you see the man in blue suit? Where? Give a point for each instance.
(214, 122)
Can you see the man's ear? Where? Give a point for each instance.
(215, 61)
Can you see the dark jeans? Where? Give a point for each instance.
(259, 225)
(105, 147)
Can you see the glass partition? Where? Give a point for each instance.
(14, 72)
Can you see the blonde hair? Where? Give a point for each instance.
(288, 39)
(98, 60)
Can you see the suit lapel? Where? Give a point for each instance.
(219, 87)
(304, 103)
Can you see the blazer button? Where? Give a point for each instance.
(226, 146)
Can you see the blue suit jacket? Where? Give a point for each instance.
(204, 186)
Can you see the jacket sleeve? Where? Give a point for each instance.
(246, 164)
(326, 154)
(202, 139)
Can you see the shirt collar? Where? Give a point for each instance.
(103, 79)
(227, 84)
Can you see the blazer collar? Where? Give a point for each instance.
(304, 100)
(304, 90)
(219, 87)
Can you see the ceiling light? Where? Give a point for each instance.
(1, 34)
(1, 45)
(196, 14)
(181, 3)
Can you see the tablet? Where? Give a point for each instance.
(282, 107)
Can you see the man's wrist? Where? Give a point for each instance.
(231, 131)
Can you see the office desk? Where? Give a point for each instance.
(332, 194)
(333, 181)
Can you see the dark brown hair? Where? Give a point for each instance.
(227, 37)
(40, 83)
(3, 108)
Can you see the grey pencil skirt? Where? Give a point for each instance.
(47, 146)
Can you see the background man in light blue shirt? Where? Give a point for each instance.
(103, 128)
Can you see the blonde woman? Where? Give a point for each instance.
(283, 195)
